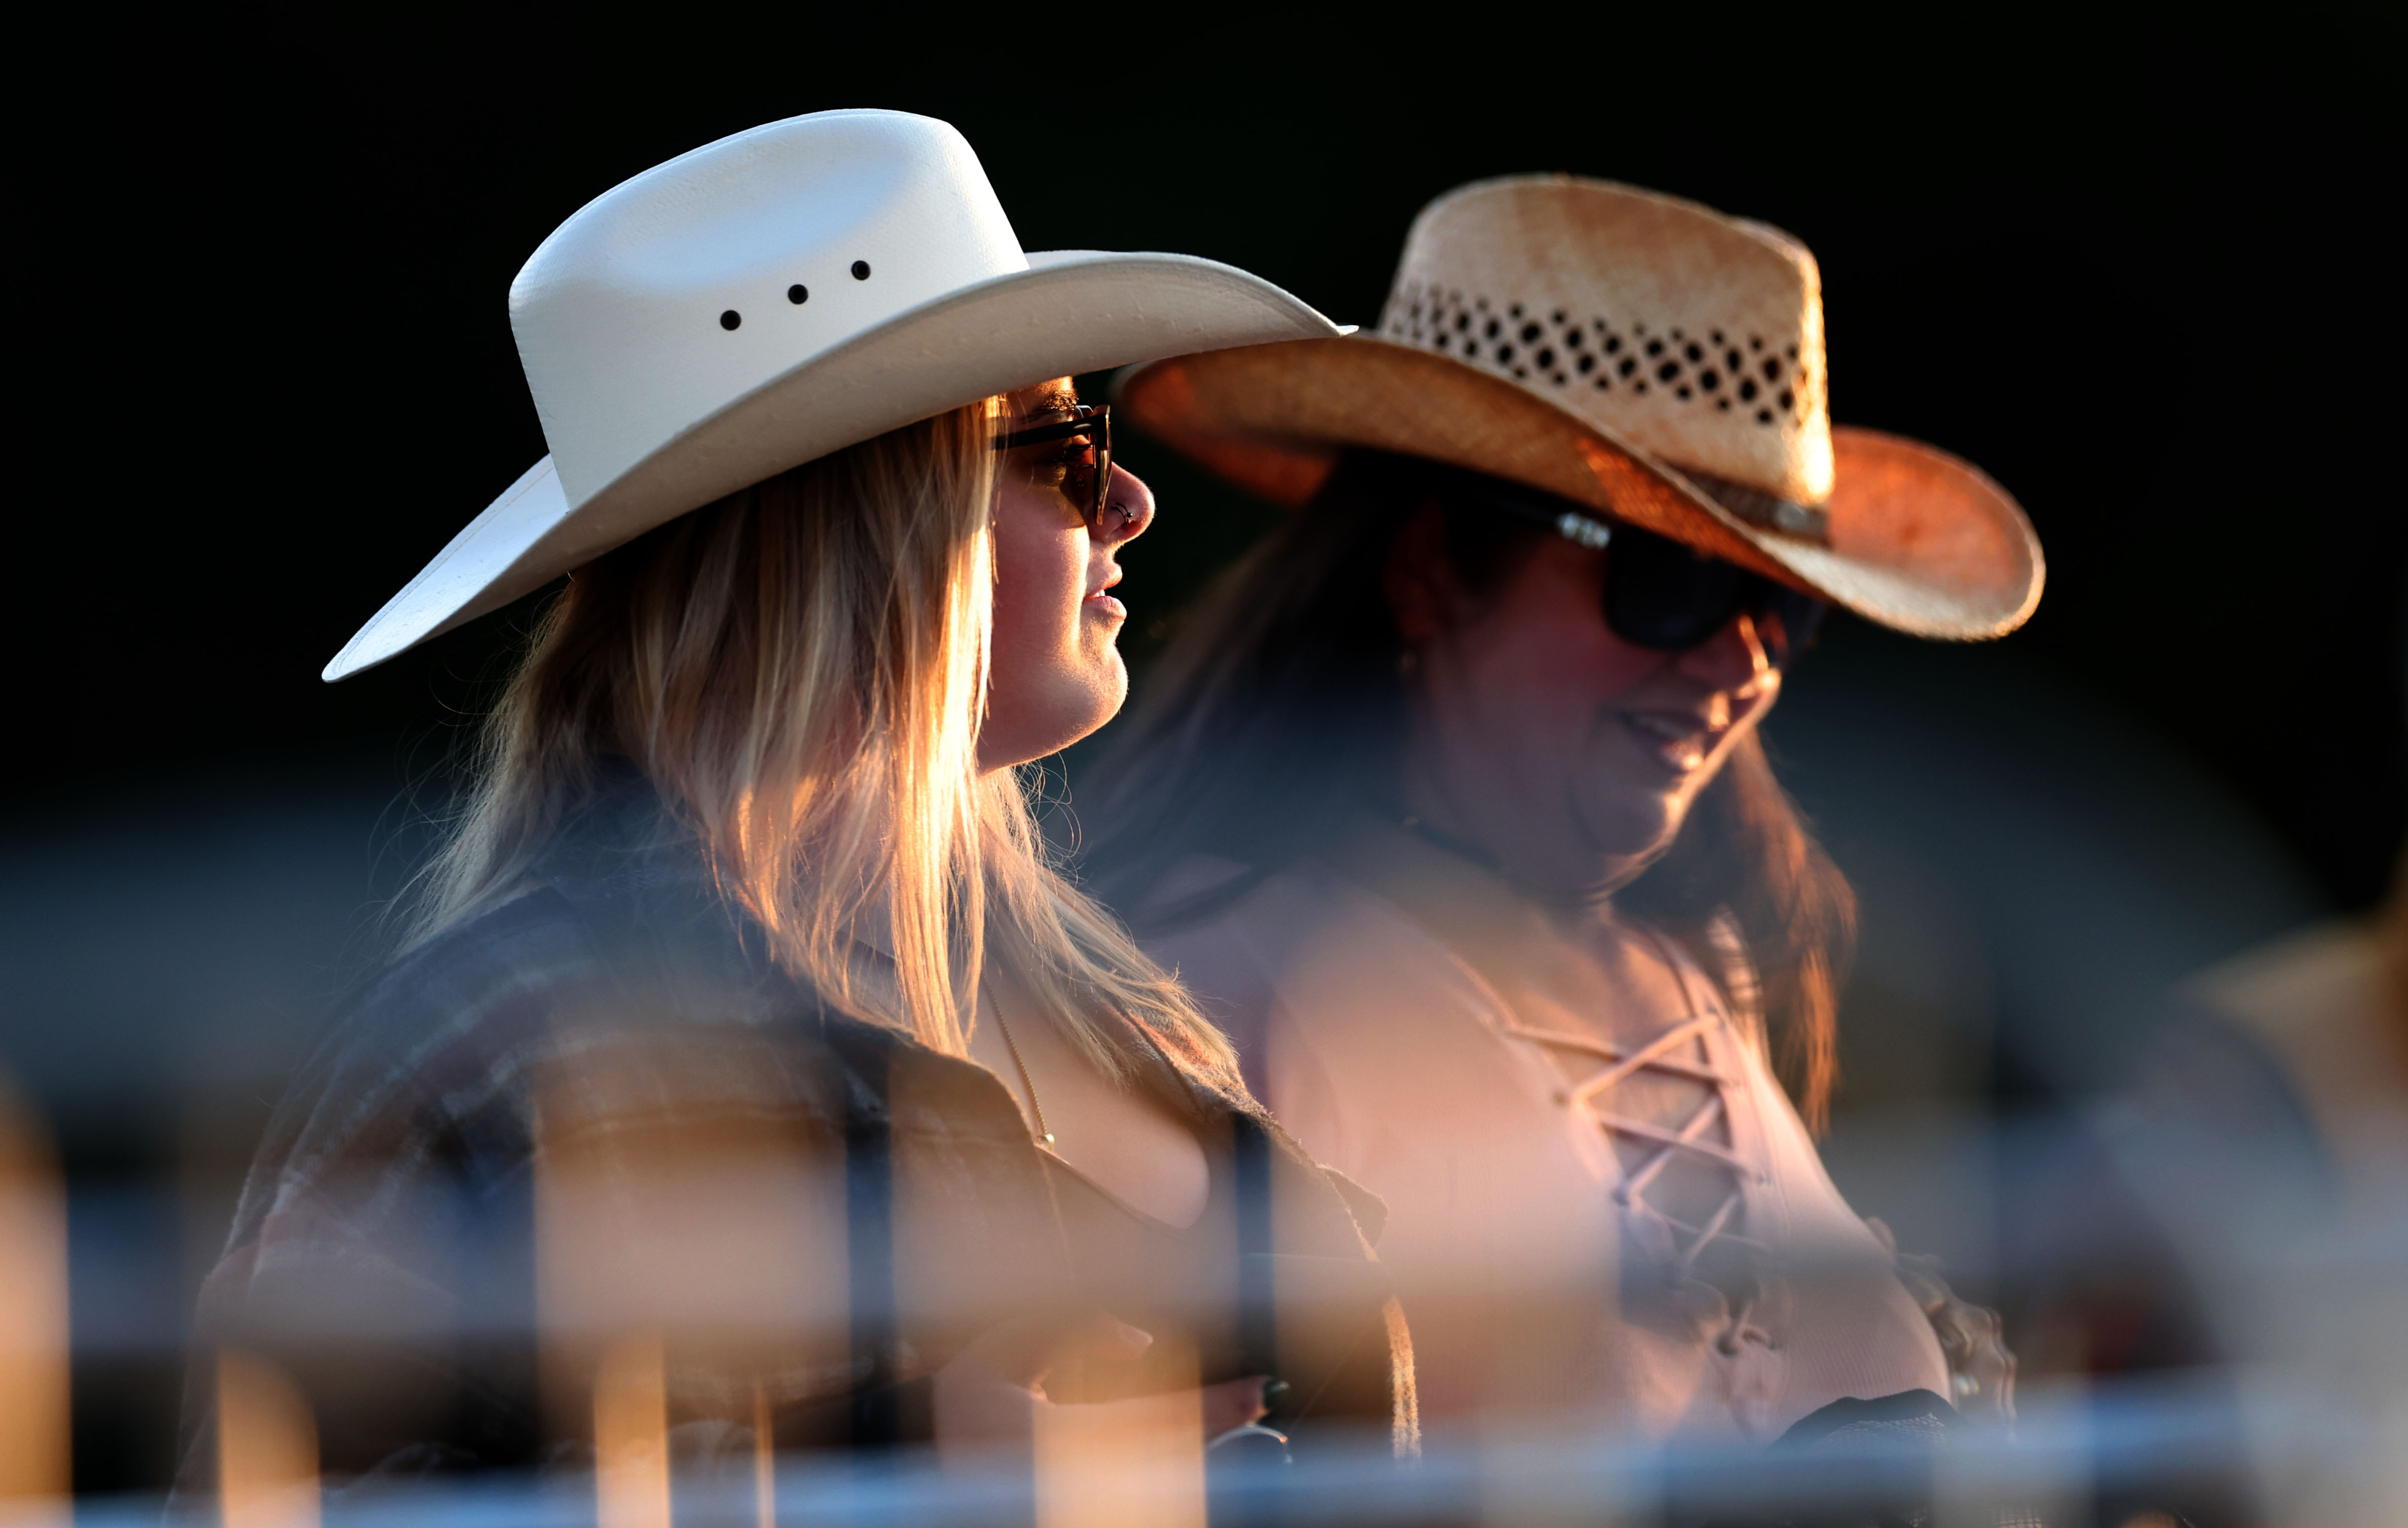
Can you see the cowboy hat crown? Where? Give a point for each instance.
(703, 279)
(1648, 359)
(1702, 345)
(772, 297)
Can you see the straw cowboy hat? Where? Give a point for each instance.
(771, 298)
(1640, 356)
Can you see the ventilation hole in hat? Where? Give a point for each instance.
(1439, 342)
(798, 294)
(1723, 405)
(1504, 355)
(1573, 338)
(1683, 395)
(1463, 320)
(1730, 359)
(861, 270)
(1493, 329)
(1710, 380)
(1415, 310)
(1530, 333)
(1470, 351)
(1676, 333)
(1515, 311)
(1784, 400)
(1481, 302)
(1718, 336)
(1613, 343)
(1791, 351)
(1694, 352)
(1772, 369)
(1639, 387)
(1561, 378)
(1764, 416)
(1629, 365)
(1755, 342)
(1638, 328)
(1655, 346)
(730, 319)
(1585, 364)
(1747, 389)
(1668, 370)
(1545, 359)
(1603, 382)
(1557, 318)
(1521, 373)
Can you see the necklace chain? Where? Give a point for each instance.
(1045, 1135)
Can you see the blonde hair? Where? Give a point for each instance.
(800, 669)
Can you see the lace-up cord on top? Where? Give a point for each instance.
(1656, 1056)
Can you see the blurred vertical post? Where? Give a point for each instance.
(267, 1446)
(764, 1459)
(33, 1473)
(631, 1435)
(1136, 1463)
(689, 1250)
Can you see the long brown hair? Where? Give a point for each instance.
(1279, 704)
(800, 669)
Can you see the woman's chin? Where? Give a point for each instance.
(1022, 728)
(1631, 829)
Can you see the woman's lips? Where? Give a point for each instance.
(1679, 743)
(1106, 606)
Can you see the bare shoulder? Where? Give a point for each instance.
(1308, 944)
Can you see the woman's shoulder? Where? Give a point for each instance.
(613, 932)
(1308, 952)
(627, 954)
(1286, 923)
(617, 912)
(447, 1032)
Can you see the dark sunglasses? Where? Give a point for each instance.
(1661, 594)
(1086, 475)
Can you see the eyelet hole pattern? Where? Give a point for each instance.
(797, 294)
(1737, 373)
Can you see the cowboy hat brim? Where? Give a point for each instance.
(1073, 311)
(1918, 541)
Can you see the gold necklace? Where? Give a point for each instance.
(1044, 1136)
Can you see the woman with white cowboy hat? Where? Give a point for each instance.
(750, 1073)
(1450, 804)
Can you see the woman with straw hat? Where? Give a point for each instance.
(750, 1079)
(1451, 805)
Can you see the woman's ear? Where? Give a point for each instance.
(1420, 582)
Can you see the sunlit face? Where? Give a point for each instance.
(1056, 674)
(1570, 754)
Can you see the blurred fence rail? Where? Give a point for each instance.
(2077, 1460)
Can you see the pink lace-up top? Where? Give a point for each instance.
(1602, 1207)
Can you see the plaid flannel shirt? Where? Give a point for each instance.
(572, 1046)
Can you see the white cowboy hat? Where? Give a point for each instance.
(1644, 356)
(771, 298)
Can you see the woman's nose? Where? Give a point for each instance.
(1128, 507)
(1734, 658)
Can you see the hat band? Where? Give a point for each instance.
(1765, 511)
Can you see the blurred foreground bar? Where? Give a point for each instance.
(2077, 1462)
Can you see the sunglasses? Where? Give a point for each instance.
(1666, 596)
(1086, 469)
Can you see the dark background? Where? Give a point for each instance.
(2140, 270)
